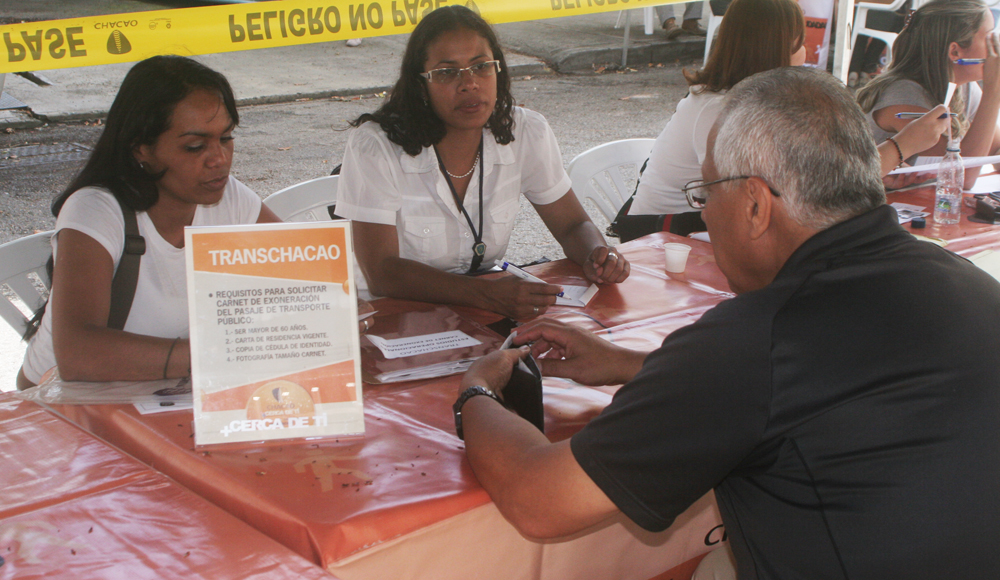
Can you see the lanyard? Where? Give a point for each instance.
(478, 248)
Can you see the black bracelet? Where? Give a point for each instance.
(169, 352)
(898, 150)
(465, 396)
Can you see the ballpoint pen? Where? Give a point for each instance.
(511, 268)
(918, 115)
(970, 61)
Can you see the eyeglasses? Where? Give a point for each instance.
(447, 76)
(698, 201)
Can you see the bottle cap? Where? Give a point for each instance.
(918, 223)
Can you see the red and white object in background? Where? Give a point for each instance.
(819, 17)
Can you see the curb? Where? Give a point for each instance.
(586, 59)
(26, 119)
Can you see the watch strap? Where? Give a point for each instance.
(467, 394)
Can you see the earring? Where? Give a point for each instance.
(142, 166)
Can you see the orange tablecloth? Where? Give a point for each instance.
(965, 238)
(74, 507)
(407, 482)
(403, 501)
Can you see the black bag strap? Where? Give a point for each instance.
(122, 286)
(127, 275)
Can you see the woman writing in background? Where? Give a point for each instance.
(927, 55)
(433, 178)
(165, 154)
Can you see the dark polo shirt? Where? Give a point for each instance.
(847, 415)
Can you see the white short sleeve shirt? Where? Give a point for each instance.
(380, 183)
(159, 307)
(677, 156)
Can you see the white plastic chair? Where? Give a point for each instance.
(861, 24)
(18, 260)
(607, 174)
(305, 202)
(713, 26)
(648, 19)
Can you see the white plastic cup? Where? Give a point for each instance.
(677, 256)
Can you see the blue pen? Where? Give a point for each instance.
(511, 268)
(970, 61)
(918, 115)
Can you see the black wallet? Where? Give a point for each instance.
(523, 393)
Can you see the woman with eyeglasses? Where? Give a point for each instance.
(433, 178)
(756, 36)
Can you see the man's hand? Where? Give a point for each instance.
(569, 352)
(493, 370)
(606, 265)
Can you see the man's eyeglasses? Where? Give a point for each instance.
(697, 195)
(447, 76)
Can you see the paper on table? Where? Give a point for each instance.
(172, 404)
(576, 295)
(930, 164)
(54, 391)
(701, 236)
(418, 321)
(907, 212)
(986, 184)
(422, 344)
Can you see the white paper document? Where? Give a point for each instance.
(986, 184)
(175, 403)
(425, 343)
(908, 211)
(930, 164)
(576, 295)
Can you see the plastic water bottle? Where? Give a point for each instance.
(950, 179)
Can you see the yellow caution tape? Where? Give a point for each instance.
(116, 38)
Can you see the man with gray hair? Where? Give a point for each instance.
(845, 406)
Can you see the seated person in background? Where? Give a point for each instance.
(755, 36)
(924, 59)
(835, 426)
(433, 178)
(165, 153)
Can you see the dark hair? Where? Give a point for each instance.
(407, 117)
(755, 36)
(920, 54)
(141, 113)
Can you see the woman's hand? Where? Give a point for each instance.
(520, 299)
(894, 182)
(924, 132)
(606, 265)
(365, 307)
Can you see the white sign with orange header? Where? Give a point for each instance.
(274, 333)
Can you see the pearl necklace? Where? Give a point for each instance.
(467, 173)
